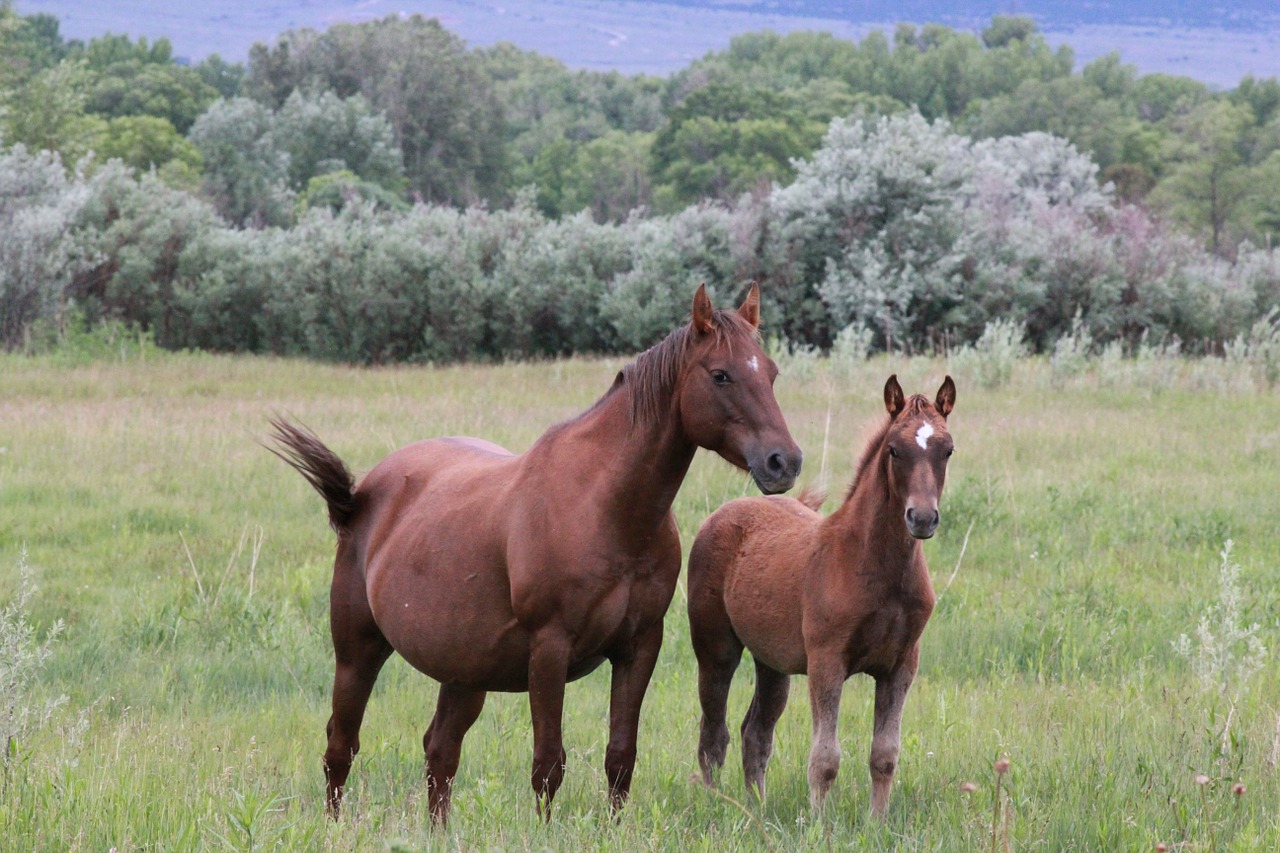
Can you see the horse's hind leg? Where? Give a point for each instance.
(456, 709)
(360, 650)
(719, 651)
(757, 727)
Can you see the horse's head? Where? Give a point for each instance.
(726, 394)
(919, 446)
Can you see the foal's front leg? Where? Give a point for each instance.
(549, 653)
(826, 682)
(891, 695)
(631, 674)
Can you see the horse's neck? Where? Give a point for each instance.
(633, 468)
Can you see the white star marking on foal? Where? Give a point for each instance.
(753, 363)
(922, 435)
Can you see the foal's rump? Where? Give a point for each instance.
(750, 558)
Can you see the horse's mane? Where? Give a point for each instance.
(650, 379)
(915, 404)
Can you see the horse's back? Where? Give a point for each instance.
(754, 554)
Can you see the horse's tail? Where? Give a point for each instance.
(813, 497)
(326, 473)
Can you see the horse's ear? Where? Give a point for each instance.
(946, 400)
(750, 309)
(702, 310)
(894, 401)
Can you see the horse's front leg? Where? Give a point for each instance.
(631, 674)
(826, 682)
(891, 695)
(549, 654)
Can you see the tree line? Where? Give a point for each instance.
(379, 192)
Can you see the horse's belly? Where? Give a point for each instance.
(460, 634)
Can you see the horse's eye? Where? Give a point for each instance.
(893, 451)
(720, 377)
(950, 451)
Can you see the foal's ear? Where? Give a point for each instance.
(702, 310)
(894, 401)
(946, 400)
(750, 309)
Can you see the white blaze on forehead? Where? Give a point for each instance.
(922, 435)
(753, 363)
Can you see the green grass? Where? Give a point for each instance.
(1094, 515)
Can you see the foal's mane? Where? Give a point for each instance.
(915, 404)
(650, 379)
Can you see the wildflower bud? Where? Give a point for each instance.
(1162, 848)
(1238, 789)
(968, 787)
(1002, 766)
(1202, 780)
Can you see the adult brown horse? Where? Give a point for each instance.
(829, 597)
(491, 571)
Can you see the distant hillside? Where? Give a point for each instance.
(1216, 43)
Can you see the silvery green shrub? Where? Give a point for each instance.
(40, 250)
(988, 361)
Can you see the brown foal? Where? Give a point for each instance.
(828, 597)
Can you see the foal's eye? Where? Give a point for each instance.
(720, 377)
(949, 452)
(893, 451)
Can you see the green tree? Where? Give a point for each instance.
(447, 122)
(324, 133)
(609, 176)
(725, 139)
(245, 172)
(221, 76)
(147, 142)
(46, 113)
(1206, 188)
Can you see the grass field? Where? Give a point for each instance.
(1081, 536)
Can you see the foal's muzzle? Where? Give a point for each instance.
(778, 471)
(922, 523)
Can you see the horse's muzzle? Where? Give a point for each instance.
(778, 472)
(922, 523)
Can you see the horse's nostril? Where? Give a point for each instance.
(774, 464)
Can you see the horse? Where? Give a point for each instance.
(827, 597)
(491, 571)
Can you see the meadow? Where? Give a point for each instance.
(1083, 527)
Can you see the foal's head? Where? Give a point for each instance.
(918, 445)
(726, 397)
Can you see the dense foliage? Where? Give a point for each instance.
(378, 192)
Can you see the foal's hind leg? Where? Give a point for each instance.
(719, 652)
(360, 650)
(456, 709)
(757, 727)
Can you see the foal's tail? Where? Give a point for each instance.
(326, 473)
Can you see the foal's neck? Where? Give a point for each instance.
(875, 515)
